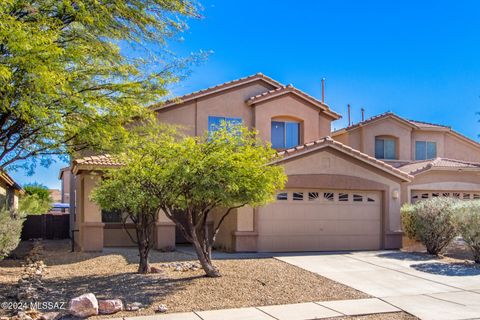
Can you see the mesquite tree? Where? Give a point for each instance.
(192, 176)
(121, 190)
(73, 73)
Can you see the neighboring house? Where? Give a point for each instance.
(10, 191)
(442, 161)
(339, 196)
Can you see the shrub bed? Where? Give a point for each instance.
(431, 221)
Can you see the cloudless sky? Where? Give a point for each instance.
(419, 59)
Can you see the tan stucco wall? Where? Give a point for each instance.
(66, 177)
(388, 127)
(456, 148)
(231, 103)
(432, 136)
(181, 115)
(313, 124)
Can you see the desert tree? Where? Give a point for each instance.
(122, 190)
(193, 176)
(75, 73)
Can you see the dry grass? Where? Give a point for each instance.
(111, 274)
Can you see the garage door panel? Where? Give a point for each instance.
(323, 224)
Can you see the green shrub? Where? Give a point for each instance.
(10, 230)
(408, 220)
(433, 222)
(468, 224)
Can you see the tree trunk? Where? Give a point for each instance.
(143, 244)
(205, 261)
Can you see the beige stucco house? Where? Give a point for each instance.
(10, 192)
(344, 189)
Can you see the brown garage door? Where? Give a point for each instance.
(417, 195)
(321, 220)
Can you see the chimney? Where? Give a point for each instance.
(323, 90)
(349, 122)
(363, 114)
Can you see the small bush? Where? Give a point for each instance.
(10, 230)
(468, 224)
(432, 221)
(408, 220)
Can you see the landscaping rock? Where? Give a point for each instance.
(84, 306)
(155, 270)
(50, 316)
(110, 306)
(161, 308)
(134, 306)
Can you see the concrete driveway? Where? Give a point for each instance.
(421, 286)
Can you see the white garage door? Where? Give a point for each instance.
(321, 220)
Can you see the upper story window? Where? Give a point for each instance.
(215, 123)
(385, 148)
(425, 150)
(285, 134)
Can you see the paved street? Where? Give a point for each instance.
(414, 283)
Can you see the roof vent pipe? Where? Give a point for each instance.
(348, 112)
(363, 114)
(323, 90)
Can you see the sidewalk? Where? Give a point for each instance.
(298, 311)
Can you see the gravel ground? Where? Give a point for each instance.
(111, 274)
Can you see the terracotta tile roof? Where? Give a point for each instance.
(99, 161)
(216, 88)
(412, 123)
(328, 141)
(291, 89)
(423, 124)
(440, 163)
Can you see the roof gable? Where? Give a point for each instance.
(217, 88)
(328, 142)
(286, 90)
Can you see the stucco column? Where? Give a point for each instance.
(164, 233)
(90, 214)
(393, 232)
(245, 236)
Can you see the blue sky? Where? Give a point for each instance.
(419, 59)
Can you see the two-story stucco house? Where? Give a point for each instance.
(344, 189)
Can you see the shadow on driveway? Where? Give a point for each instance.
(448, 269)
(407, 256)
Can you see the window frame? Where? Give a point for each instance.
(285, 124)
(395, 146)
(236, 121)
(426, 143)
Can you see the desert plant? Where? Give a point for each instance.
(408, 220)
(10, 229)
(434, 223)
(467, 219)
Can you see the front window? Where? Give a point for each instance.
(425, 150)
(385, 148)
(285, 134)
(215, 123)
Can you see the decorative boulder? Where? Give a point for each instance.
(84, 306)
(110, 306)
